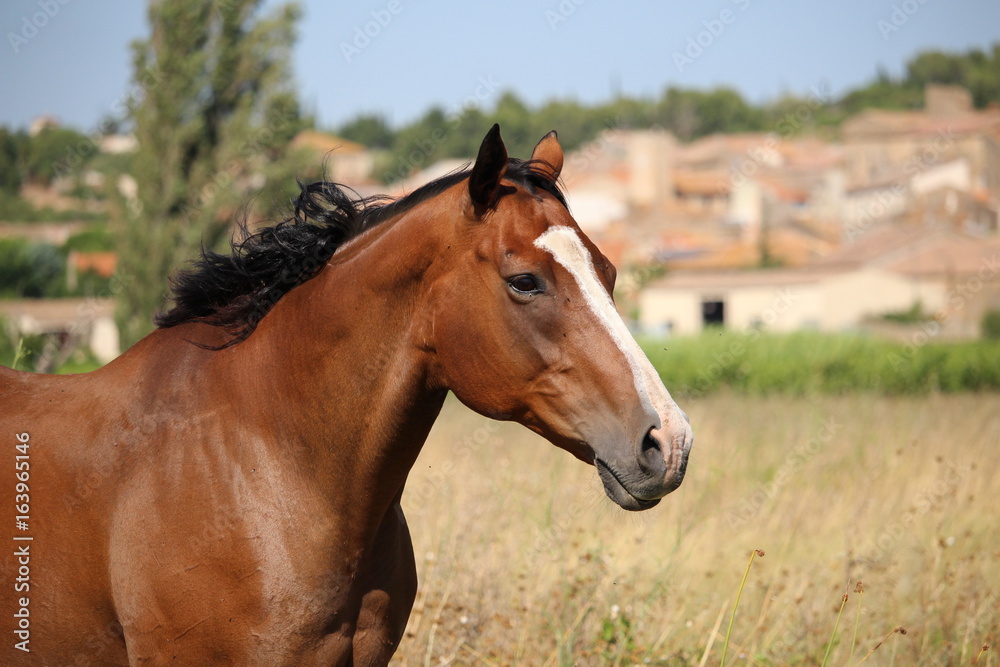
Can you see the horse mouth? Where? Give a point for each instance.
(618, 492)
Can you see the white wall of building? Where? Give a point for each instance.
(832, 302)
(673, 311)
(850, 297)
(956, 174)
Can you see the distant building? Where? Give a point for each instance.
(773, 299)
(750, 194)
(953, 276)
(621, 175)
(883, 146)
(420, 178)
(89, 322)
(102, 263)
(41, 123)
(345, 161)
(117, 144)
(56, 233)
(703, 192)
(649, 155)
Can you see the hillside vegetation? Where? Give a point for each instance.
(688, 113)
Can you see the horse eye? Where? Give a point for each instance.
(524, 283)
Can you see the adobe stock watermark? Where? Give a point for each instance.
(550, 540)
(221, 180)
(22, 540)
(423, 149)
(751, 505)
(96, 646)
(702, 40)
(87, 313)
(33, 24)
(901, 14)
(420, 491)
(364, 34)
(767, 151)
(923, 502)
(784, 300)
(612, 135)
(956, 300)
(886, 200)
(90, 144)
(563, 11)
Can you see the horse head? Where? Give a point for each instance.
(525, 329)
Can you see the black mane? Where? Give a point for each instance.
(235, 291)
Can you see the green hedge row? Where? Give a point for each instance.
(813, 363)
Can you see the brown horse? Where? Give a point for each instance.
(228, 490)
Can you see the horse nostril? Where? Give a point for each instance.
(651, 459)
(649, 443)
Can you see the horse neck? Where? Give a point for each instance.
(345, 359)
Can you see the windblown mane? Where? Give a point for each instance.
(235, 291)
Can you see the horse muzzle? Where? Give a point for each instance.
(656, 468)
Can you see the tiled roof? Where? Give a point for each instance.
(702, 183)
(926, 252)
(322, 142)
(727, 279)
(101, 263)
(877, 123)
(952, 256)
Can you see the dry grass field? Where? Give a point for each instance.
(522, 560)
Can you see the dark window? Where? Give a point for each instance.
(713, 313)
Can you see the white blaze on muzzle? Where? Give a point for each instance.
(564, 244)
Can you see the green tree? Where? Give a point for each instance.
(418, 145)
(465, 133)
(215, 115)
(883, 93)
(935, 67)
(56, 152)
(516, 121)
(978, 71)
(11, 157)
(990, 324)
(725, 110)
(688, 113)
(695, 113)
(30, 270)
(370, 130)
(678, 112)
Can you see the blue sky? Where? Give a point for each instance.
(76, 63)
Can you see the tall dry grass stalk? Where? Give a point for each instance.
(833, 635)
(860, 590)
(901, 630)
(739, 594)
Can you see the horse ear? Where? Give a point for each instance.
(491, 165)
(549, 156)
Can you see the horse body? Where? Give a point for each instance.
(214, 503)
(211, 504)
